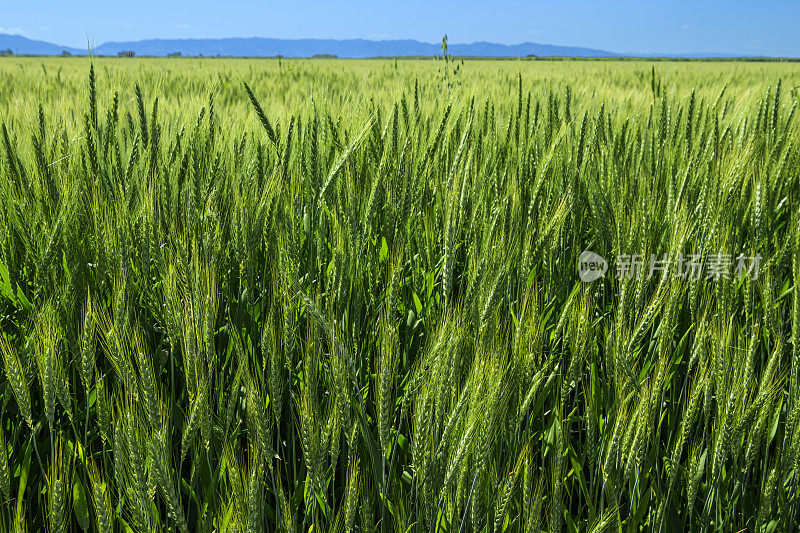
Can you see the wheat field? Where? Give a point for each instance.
(340, 295)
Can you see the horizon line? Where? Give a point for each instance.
(611, 54)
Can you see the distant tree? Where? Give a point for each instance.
(174, 54)
(324, 56)
(126, 53)
(7, 52)
(65, 53)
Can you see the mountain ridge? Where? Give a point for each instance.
(343, 48)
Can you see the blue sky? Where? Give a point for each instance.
(769, 27)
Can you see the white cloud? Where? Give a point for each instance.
(43, 28)
(12, 31)
(534, 32)
(181, 26)
(685, 27)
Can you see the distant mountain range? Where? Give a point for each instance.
(261, 47)
(347, 48)
(350, 48)
(23, 45)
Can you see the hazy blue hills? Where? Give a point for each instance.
(22, 45)
(354, 48)
(347, 48)
(261, 47)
